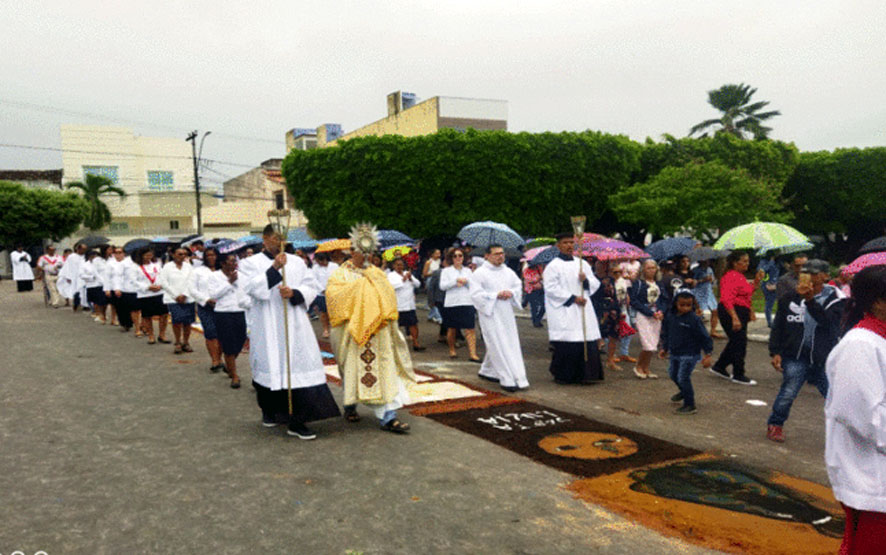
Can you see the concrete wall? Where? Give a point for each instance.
(420, 119)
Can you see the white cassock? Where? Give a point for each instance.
(569, 341)
(21, 266)
(69, 277)
(561, 283)
(267, 343)
(504, 359)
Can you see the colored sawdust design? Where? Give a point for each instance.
(723, 505)
(563, 440)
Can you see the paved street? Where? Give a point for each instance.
(114, 446)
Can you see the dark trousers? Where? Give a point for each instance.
(737, 347)
(680, 372)
(124, 310)
(536, 306)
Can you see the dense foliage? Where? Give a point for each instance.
(840, 195)
(435, 184)
(669, 202)
(31, 215)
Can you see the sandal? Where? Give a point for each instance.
(352, 416)
(187, 348)
(178, 349)
(396, 427)
(152, 341)
(215, 369)
(235, 383)
(163, 340)
(639, 374)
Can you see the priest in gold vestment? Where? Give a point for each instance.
(372, 354)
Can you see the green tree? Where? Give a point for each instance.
(703, 198)
(840, 195)
(93, 189)
(31, 215)
(739, 115)
(435, 184)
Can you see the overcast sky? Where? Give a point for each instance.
(248, 71)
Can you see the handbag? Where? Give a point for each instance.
(625, 329)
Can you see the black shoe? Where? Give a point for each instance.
(487, 378)
(743, 380)
(217, 368)
(301, 431)
(720, 372)
(418, 348)
(268, 421)
(677, 398)
(686, 410)
(510, 388)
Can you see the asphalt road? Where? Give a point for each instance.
(110, 445)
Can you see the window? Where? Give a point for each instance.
(105, 171)
(278, 200)
(119, 226)
(173, 224)
(160, 181)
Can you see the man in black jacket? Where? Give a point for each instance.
(806, 328)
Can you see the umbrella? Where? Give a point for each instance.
(135, 244)
(393, 252)
(587, 238)
(875, 245)
(528, 254)
(231, 246)
(764, 237)
(545, 256)
(483, 234)
(390, 237)
(299, 239)
(670, 248)
(612, 249)
(251, 239)
(540, 242)
(706, 253)
(216, 242)
(94, 240)
(863, 261)
(334, 245)
(191, 239)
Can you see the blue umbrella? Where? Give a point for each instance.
(135, 244)
(250, 239)
(671, 247)
(162, 239)
(388, 238)
(300, 239)
(216, 242)
(545, 256)
(483, 234)
(231, 246)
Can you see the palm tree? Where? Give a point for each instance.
(739, 115)
(96, 185)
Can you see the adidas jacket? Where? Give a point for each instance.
(786, 337)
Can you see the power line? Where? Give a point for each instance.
(129, 154)
(64, 111)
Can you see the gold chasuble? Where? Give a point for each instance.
(369, 348)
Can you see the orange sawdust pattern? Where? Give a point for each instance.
(713, 527)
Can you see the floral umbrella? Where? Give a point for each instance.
(863, 261)
(612, 249)
(483, 234)
(393, 252)
(334, 245)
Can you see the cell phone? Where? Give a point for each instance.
(804, 279)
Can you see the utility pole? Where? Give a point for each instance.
(192, 138)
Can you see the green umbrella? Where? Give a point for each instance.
(540, 242)
(763, 236)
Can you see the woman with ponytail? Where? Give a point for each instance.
(855, 415)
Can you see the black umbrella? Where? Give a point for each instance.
(875, 245)
(707, 253)
(135, 244)
(94, 240)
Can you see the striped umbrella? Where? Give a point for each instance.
(612, 249)
(483, 234)
(863, 261)
(764, 237)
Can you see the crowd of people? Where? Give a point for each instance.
(828, 332)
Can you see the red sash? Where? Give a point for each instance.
(873, 324)
(147, 275)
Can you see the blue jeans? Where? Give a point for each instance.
(434, 314)
(680, 371)
(536, 306)
(796, 373)
(624, 344)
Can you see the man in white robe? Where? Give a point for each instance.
(569, 284)
(22, 272)
(262, 277)
(69, 284)
(495, 292)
